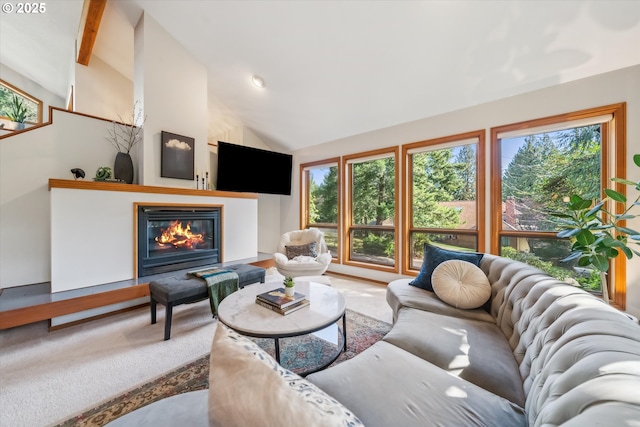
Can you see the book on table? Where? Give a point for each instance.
(278, 299)
(284, 311)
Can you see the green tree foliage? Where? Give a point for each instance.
(547, 166)
(544, 171)
(435, 179)
(323, 203)
(577, 159)
(465, 162)
(374, 191)
(526, 171)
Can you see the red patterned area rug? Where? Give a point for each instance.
(362, 332)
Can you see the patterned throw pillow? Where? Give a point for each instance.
(434, 256)
(308, 249)
(247, 387)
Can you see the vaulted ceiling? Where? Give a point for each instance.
(338, 68)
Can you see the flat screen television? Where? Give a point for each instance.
(252, 170)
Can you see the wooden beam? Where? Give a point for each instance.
(92, 15)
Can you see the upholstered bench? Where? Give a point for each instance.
(172, 291)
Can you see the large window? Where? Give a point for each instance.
(536, 166)
(442, 190)
(372, 189)
(321, 200)
(33, 105)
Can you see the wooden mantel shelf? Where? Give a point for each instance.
(132, 188)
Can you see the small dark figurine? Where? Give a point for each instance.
(77, 173)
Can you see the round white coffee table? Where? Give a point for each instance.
(240, 312)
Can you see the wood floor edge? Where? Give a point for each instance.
(46, 311)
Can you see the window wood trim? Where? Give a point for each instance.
(613, 144)
(407, 193)
(347, 173)
(304, 198)
(29, 97)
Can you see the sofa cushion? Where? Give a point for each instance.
(400, 294)
(434, 256)
(387, 386)
(247, 387)
(461, 284)
(474, 350)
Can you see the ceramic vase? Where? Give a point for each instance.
(123, 167)
(290, 291)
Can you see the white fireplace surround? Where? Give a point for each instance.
(92, 232)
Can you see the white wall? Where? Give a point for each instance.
(172, 86)
(102, 91)
(48, 98)
(27, 161)
(92, 233)
(610, 88)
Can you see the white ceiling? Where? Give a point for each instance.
(338, 68)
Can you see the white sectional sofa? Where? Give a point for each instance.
(538, 353)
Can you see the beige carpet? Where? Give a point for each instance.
(47, 377)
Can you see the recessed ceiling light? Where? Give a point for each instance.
(257, 81)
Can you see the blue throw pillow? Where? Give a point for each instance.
(434, 256)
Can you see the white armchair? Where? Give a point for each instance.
(302, 253)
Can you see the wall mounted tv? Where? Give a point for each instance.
(252, 170)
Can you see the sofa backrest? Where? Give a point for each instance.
(579, 358)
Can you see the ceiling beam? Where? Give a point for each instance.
(91, 16)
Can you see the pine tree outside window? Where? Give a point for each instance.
(371, 181)
(536, 166)
(442, 191)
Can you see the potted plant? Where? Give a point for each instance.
(289, 286)
(18, 112)
(103, 173)
(596, 233)
(124, 136)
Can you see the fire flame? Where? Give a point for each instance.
(178, 236)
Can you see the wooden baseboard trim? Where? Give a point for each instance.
(350, 276)
(100, 316)
(46, 311)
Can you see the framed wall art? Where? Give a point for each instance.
(177, 156)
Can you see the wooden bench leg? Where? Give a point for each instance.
(167, 321)
(153, 310)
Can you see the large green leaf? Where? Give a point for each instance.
(624, 181)
(585, 261)
(594, 209)
(627, 252)
(577, 203)
(585, 237)
(618, 197)
(568, 233)
(600, 262)
(611, 253)
(628, 231)
(624, 217)
(636, 159)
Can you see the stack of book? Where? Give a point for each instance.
(277, 301)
